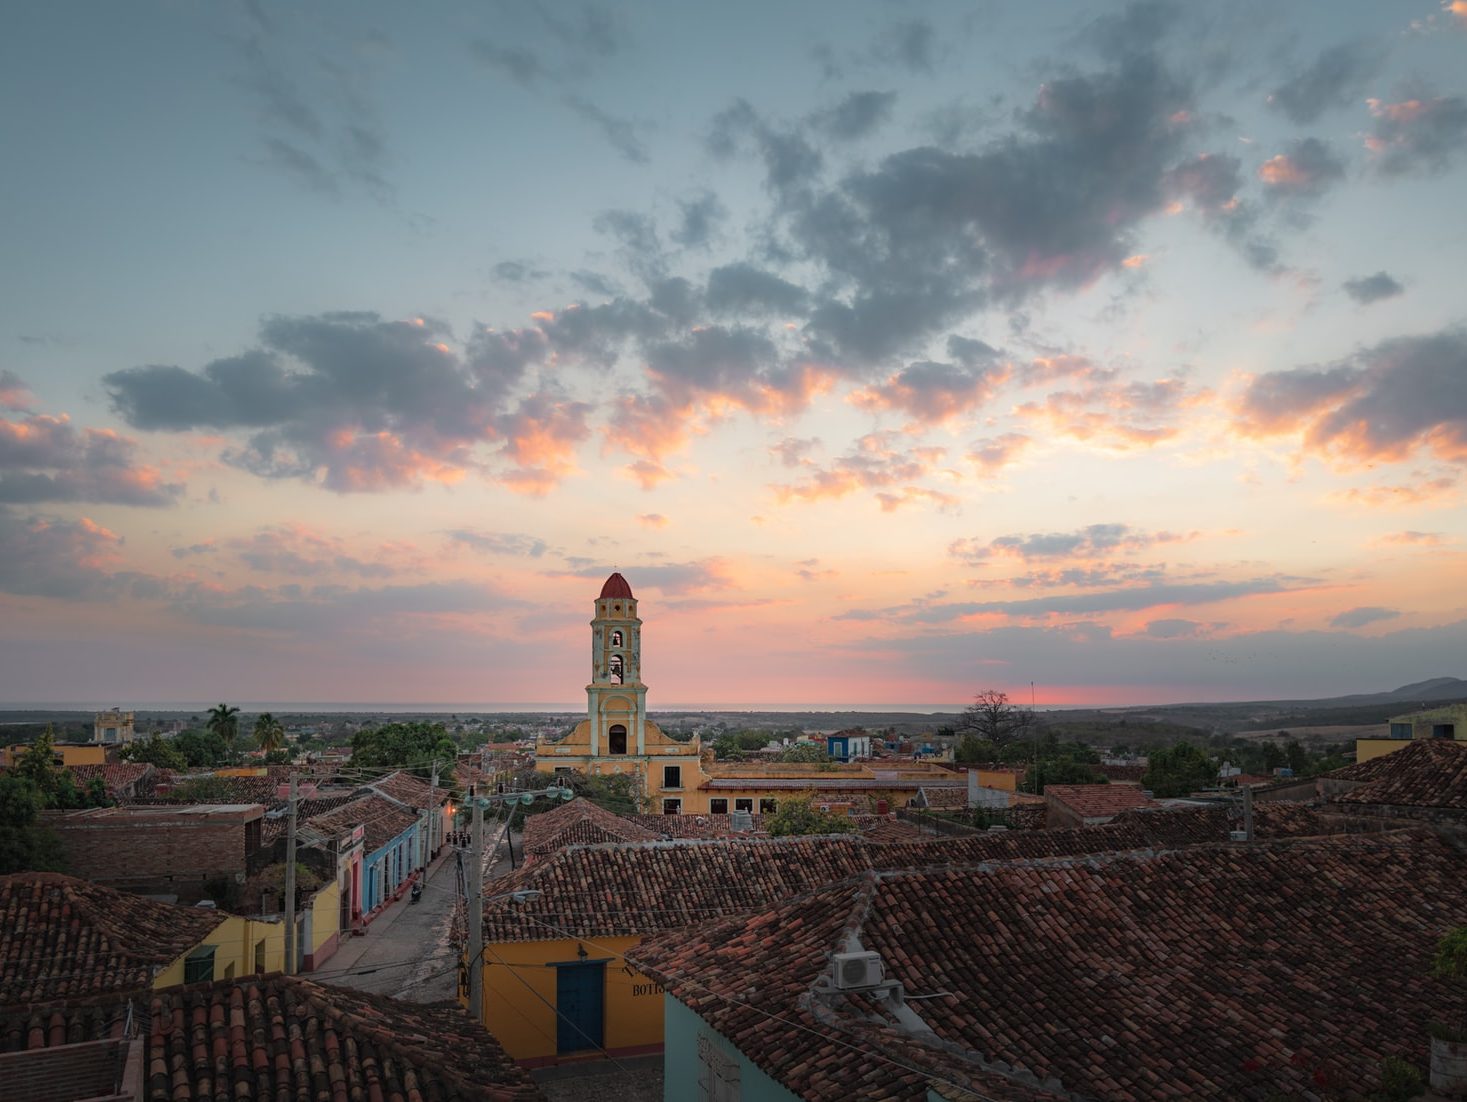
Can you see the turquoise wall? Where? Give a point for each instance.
(681, 1029)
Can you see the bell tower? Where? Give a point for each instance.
(616, 699)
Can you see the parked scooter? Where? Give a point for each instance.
(417, 891)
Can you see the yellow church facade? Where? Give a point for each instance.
(681, 778)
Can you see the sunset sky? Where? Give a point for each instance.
(892, 351)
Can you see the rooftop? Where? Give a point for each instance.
(1094, 801)
(629, 888)
(616, 586)
(61, 937)
(285, 1037)
(1426, 773)
(580, 822)
(1241, 972)
(382, 819)
(410, 790)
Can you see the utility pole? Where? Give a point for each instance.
(290, 885)
(434, 820)
(1248, 811)
(476, 911)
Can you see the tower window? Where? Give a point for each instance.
(618, 738)
(617, 668)
(672, 776)
(616, 638)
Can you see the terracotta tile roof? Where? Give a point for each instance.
(580, 822)
(383, 820)
(1094, 801)
(278, 1037)
(695, 826)
(1426, 773)
(127, 778)
(410, 790)
(943, 799)
(67, 1022)
(277, 820)
(887, 828)
(60, 936)
(1107, 977)
(639, 888)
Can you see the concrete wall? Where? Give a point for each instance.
(692, 1044)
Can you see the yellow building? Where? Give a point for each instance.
(1448, 722)
(617, 736)
(113, 727)
(64, 753)
(681, 778)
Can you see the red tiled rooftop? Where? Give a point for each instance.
(117, 777)
(1427, 773)
(1093, 801)
(410, 790)
(616, 586)
(61, 937)
(1219, 971)
(383, 820)
(278, 1038)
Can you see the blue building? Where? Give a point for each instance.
(848, 745)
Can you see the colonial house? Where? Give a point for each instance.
(1111, 976)
(389, 846)
(268, 1037)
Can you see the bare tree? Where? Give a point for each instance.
(993, 717)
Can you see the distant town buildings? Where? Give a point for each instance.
(113, 728)
(1448, 722)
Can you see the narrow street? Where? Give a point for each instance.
(408, 949)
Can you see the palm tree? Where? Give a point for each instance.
(269, 734)
(224, 722)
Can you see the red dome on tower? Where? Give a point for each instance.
(616, 586)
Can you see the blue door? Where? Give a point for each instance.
(580, 1002)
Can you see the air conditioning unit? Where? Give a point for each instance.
(854, 970)
(1238, 835)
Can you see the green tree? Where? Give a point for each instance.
(799, 815)
(412, 745)
(154, 750)
(993, 718)
(1178, 770)
(971, 748)
(808, 753)
(39, 766)
(25, 845)
(201, 748)
(727, 748)
(269, 734)
(224, 722)
(1062, 770)
(1450, 964)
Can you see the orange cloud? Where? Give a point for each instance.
(877, 462)
(653, 520)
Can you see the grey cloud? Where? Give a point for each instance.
(499, 543)
(1133, 599)
(1366, 614)
(856, 116)
(14, 394)
(667, 578)
(44, 458)
(49, 557)
(590, 30)
(595, 283)
(933, 391)
(1306, 169)
(518, 271)
(700, 219)
(1174, 629)
(790, 161)
(1379, 405)
(744, 289)
(637, 235)
(295, 551)
(521, 65)
(1368, 289)
(620, 134)
(327, 609)
(907, 43)
(1336, 78)
(354, 401)
(1253, 665)
(1418, 135)
(1092, 541)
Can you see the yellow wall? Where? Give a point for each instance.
(234, 942)
(325, 916)
(70, 754)
(1367, 748)
(519, 996)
